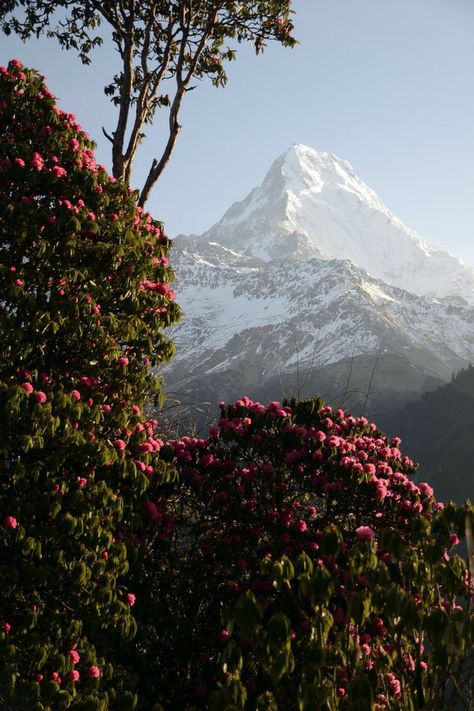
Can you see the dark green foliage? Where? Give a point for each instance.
(84, 298)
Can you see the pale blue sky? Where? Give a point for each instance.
(386, 84)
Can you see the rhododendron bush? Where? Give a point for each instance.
(299, 567)
(84, 297)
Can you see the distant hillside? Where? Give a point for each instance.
(438, 432)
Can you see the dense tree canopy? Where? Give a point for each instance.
(84, 297)
(162, 45)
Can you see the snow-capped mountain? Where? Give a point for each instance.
(311, 274)
(312, 204)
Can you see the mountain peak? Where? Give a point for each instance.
(311, 160)
(302, 169)
(312, 204)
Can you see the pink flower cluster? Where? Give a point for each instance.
(10, 522)
(279, 480)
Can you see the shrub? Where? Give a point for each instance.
(298, 566)
(84, 298)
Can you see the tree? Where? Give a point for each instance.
(84, 298)
(162, 47)
(297, 566)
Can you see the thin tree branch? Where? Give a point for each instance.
(125, 88)
(145, 99)
(107, 135)
(158, 167)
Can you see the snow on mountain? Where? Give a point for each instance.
(311, 270)
(323, 311)
(312, 204)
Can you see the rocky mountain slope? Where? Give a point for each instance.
(311, 281)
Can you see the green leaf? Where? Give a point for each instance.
(322, 584)
(248, 614)
(331, 542)
(278, 630)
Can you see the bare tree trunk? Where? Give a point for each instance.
(125, 98)
(157, 167)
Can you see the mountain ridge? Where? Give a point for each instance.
(312, 204)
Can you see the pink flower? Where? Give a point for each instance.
(425, 488)
(454, 539)
(74, 675)
(301, 526)
(152, 510)
(19, 283)
(39, 678)
(10, 522)
(7, 627)
(19, 162)
(120, 445)
(40, 397)
(380, 489)
(58, 172)
(76, 394)
(224, 636)
(93, 672)
(82, 481)
(131, 599)
(74, 656)
(27, 387)
(365, 533)
(37, 162)
(123, 360)
(394, 684)
(88, 381)
(55, 677)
